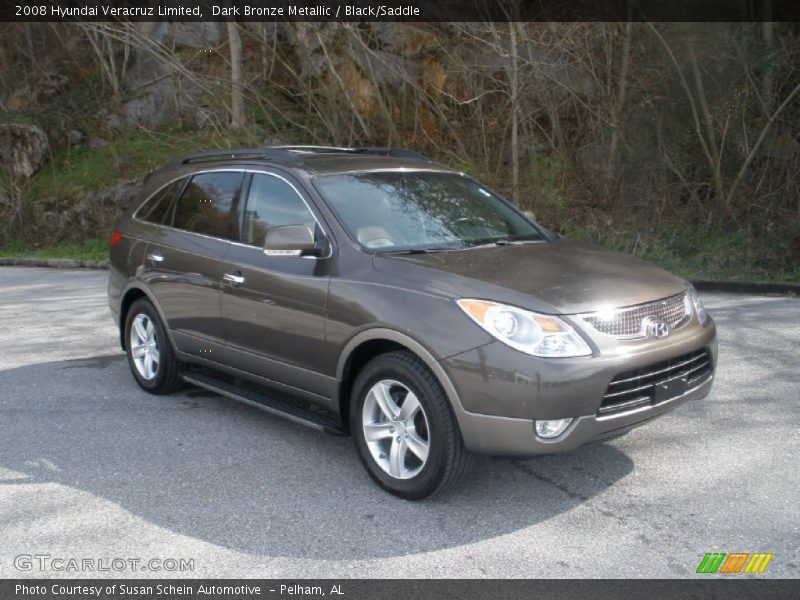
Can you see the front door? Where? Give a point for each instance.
(273, 306)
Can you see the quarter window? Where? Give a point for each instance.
(157, 208)
(273, 202)
(207, 205)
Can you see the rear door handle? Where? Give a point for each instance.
(157, 258)
(235, 278)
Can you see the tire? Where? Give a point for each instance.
(158, 370)
(393, 456)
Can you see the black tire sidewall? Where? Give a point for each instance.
(424, 483)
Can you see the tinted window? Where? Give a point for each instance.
(206, 205)
(158, 207)
(272, 202)
(393, 211)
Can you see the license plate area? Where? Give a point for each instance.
(671, 388)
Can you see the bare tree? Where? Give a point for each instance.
(238, 119)
(105, 51)
(513, 29)
(768, 34)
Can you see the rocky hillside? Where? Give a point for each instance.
(678, 142)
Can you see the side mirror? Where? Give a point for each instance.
(292, 240)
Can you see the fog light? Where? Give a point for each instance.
(551, 429)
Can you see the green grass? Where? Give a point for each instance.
(89, 249)
(127, 156)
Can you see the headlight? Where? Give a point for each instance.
(528, 332)
(702, 315)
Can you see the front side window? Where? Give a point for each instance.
(157, 208)
(272, 202)
(207, 204)
(393, 211)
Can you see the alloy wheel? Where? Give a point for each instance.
(144, 346)
(396, 429)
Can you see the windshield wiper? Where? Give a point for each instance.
(500, 242)
(487, 243)
(418, 250)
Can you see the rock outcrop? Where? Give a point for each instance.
(23, 149)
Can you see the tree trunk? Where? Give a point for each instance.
(618, 107)
(237, 92)
(514, 114)
(767, 31)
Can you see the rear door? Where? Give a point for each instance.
(184, 261)
(274, 310)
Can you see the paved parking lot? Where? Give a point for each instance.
(92, 467)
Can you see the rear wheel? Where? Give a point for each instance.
(150, 355)
(404, 429)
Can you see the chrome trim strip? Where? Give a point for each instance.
(616, 407)
(427, 169)
(697, 368)
(653, 406)
(623, 392)
(680, 364)
(642, 387)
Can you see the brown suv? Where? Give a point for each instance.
(374, 292)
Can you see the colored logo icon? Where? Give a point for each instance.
(736, 562)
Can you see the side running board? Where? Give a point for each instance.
(271, 404)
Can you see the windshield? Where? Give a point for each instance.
(395, 211)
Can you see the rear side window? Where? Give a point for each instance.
(207, 205)
(157, 208)
(272, 202)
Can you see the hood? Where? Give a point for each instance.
(563, 276)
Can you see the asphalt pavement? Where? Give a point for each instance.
(91, 467)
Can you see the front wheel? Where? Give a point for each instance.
(150, 355)
(404, 429)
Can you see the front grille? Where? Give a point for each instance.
(629, 322)
(637, 388)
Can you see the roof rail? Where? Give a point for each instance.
(236, 153)
(289, 154)
(387, 151)
(314, 149)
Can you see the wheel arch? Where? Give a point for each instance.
(367, 344)
(131, 294)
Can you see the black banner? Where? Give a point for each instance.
(394, 589)
(402, 10)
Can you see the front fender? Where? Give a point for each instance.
(465, 422)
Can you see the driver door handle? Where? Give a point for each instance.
(156, 258)
(235, 278)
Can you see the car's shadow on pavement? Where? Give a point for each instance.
(209, 468)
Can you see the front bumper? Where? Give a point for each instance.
(502, 392)
(498, 436)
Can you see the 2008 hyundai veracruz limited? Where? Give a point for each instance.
(371, 291)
